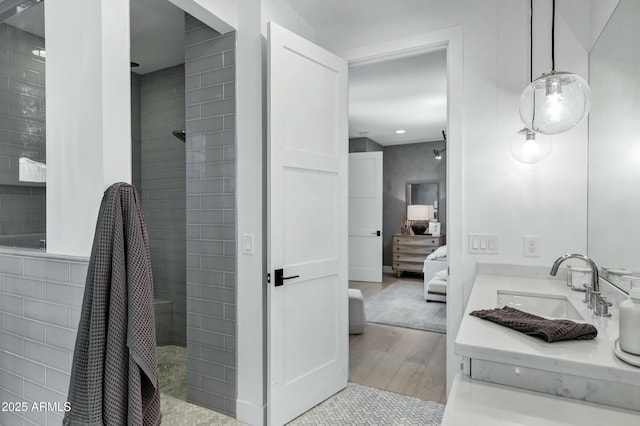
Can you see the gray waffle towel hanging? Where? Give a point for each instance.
(114, 378)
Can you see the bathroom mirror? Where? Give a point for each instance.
(614, 147)
(424, 192)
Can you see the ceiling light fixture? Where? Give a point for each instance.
(557, 101)
(400, 132)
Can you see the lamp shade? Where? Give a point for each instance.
(420, 212)
(555, 102)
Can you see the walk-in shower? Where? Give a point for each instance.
(22, 124)
(185, 84)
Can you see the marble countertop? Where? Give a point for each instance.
(477, 403)
(593, 359)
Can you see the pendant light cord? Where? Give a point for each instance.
(531, 42)
(553, 37)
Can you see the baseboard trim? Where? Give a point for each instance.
(251, 414)
(387, 269)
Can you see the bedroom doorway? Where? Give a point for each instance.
(398, 107)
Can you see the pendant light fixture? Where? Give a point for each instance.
(556, 101)
(528, 146)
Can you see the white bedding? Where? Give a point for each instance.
(430, 268)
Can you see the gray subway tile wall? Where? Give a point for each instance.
(211, 212)
(22, 134)
(40, 302)
(162, 189)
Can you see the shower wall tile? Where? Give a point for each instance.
(163, 174)
(57, 271)
(211, 211)
(26, 328)
(22, 134)
(38, 331)
(79, 273)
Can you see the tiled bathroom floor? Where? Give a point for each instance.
(356, 404)
(172, 364)
(176, 411)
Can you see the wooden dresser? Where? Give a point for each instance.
(410, 251)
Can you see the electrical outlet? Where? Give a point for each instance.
(532, 246)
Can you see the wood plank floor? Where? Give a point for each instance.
(397, 359)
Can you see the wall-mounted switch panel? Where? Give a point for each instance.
(247, 243)
(483, 243)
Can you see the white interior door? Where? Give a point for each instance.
(307, 225)
(365, 216)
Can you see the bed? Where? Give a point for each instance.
(435, 276)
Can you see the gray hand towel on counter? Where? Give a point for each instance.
(533, 325)
(114, 377)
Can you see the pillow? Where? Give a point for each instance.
(442, 274)
(440, 252)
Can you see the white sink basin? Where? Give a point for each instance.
(545, 305)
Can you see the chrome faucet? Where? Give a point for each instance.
(593, 298)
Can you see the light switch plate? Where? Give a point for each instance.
(483, 243)
(247, 243)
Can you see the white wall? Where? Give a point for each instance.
(88, 116)
(221, 15)
(601, 11)
(281, 12)
(251, 404)
(499, 195)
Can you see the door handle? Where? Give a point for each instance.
(279, 277)
(377, 233)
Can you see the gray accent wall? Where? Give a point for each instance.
(409, 163)
(211, 217)
(22, 134)
(364, 145)
(40, 302)
(163, 194)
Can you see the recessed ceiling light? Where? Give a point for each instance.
(400, 131)
(39, 52)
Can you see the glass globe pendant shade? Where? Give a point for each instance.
(529, 147)
(555, 102)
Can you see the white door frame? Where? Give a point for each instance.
(451, 40)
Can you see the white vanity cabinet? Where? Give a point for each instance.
(584, 370)
(477, 403)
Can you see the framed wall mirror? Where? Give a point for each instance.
(614, 147)
(424, 192)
